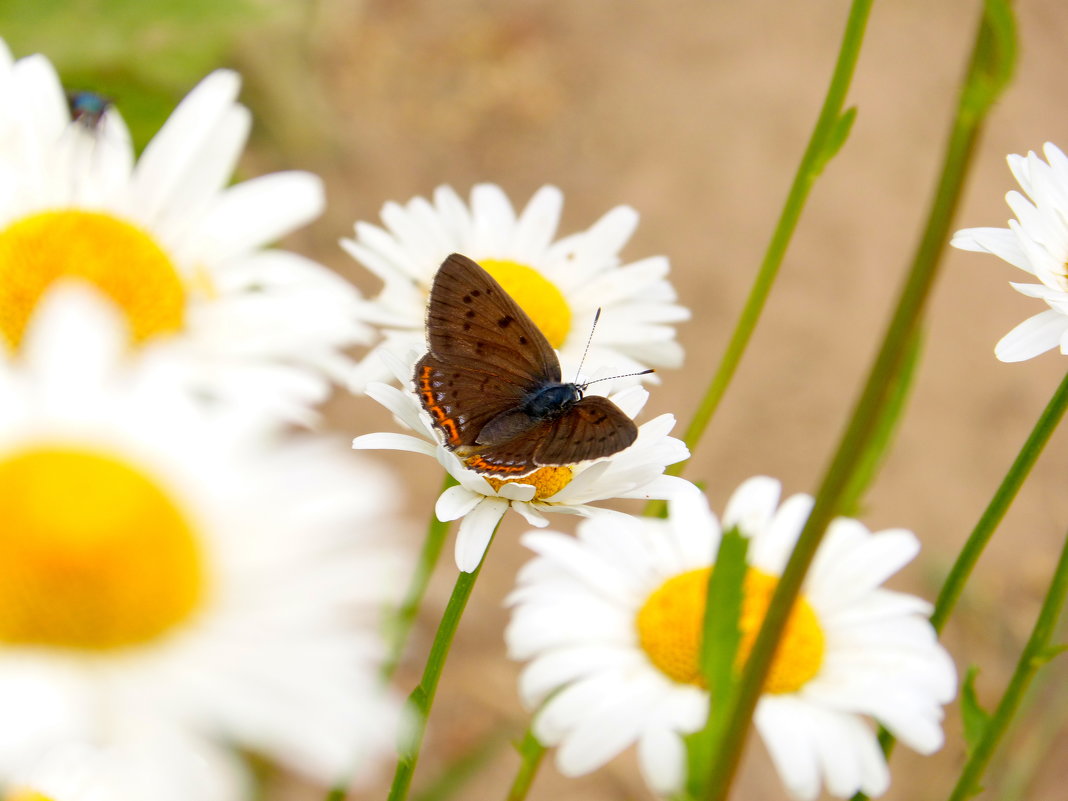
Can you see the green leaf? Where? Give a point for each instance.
(722, 634)
(720, 640)
(974, 717)
(836, 137)
(1048, 653)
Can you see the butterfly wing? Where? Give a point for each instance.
(592, 428)
(514, 458)
(473, 324)
(461, 399)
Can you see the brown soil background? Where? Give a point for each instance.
(696, 114)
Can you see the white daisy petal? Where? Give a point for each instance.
(455, 502)
(790, 745)
(662, 758)
(639, 305)
(221, 628)
(1032, 337)
(752, 505)
(1037, 242)
(193, 244)
(476, 530)
(261, 210)
(171, 154)
(605, 625)
(635, 472)
(392, 442)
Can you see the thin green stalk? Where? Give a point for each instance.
(400, 625)
(999, 504)
(1036, 653)
(977, 94)
(828, 136)
(832, 128)
(988, 523)
(422, 697)
(530, 756)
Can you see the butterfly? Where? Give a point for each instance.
(491, 383)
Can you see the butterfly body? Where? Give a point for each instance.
(491, 383)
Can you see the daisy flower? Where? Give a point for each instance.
(610, 622)
(170, 770)
(174, 569)
(636, 472)
(560, 283)
(1036, 242)
(165, 237)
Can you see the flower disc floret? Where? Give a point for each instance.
(670, 622)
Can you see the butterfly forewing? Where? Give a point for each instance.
(471, 317)
(461, 401)
(592, 428)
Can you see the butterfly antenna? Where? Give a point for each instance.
(625, 375)
(589, 339)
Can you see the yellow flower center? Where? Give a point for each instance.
(670, 623)
(547, 481)
(120, 260)
(94, 554)
(25, 794)
(536, 295)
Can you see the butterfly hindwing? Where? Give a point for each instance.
(472, 322)
(513, 458)
(592, 428)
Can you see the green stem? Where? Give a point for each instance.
(827, 137)
(530, 755)
(1035, 654)
(867, 414)
(988, 523)
(402, 621)
(400, 624)
(422, 698)
(999, 504)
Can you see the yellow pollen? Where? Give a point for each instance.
(547, 481)
(22, 794)
(122, 261)
(94, 555)
(536, 295)
(670, 622)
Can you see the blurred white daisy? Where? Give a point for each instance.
(560, 283)
(1036, 242)
(151, 770)
(610, 622)
(636, 472)
(166, 238)
(166, 566)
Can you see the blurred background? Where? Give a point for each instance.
(695, 113)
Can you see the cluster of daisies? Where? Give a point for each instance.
(189, 574)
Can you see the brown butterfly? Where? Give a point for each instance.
(491, 383)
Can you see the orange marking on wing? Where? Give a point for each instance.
(430, 403)
(479, 463)
(451, 430)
